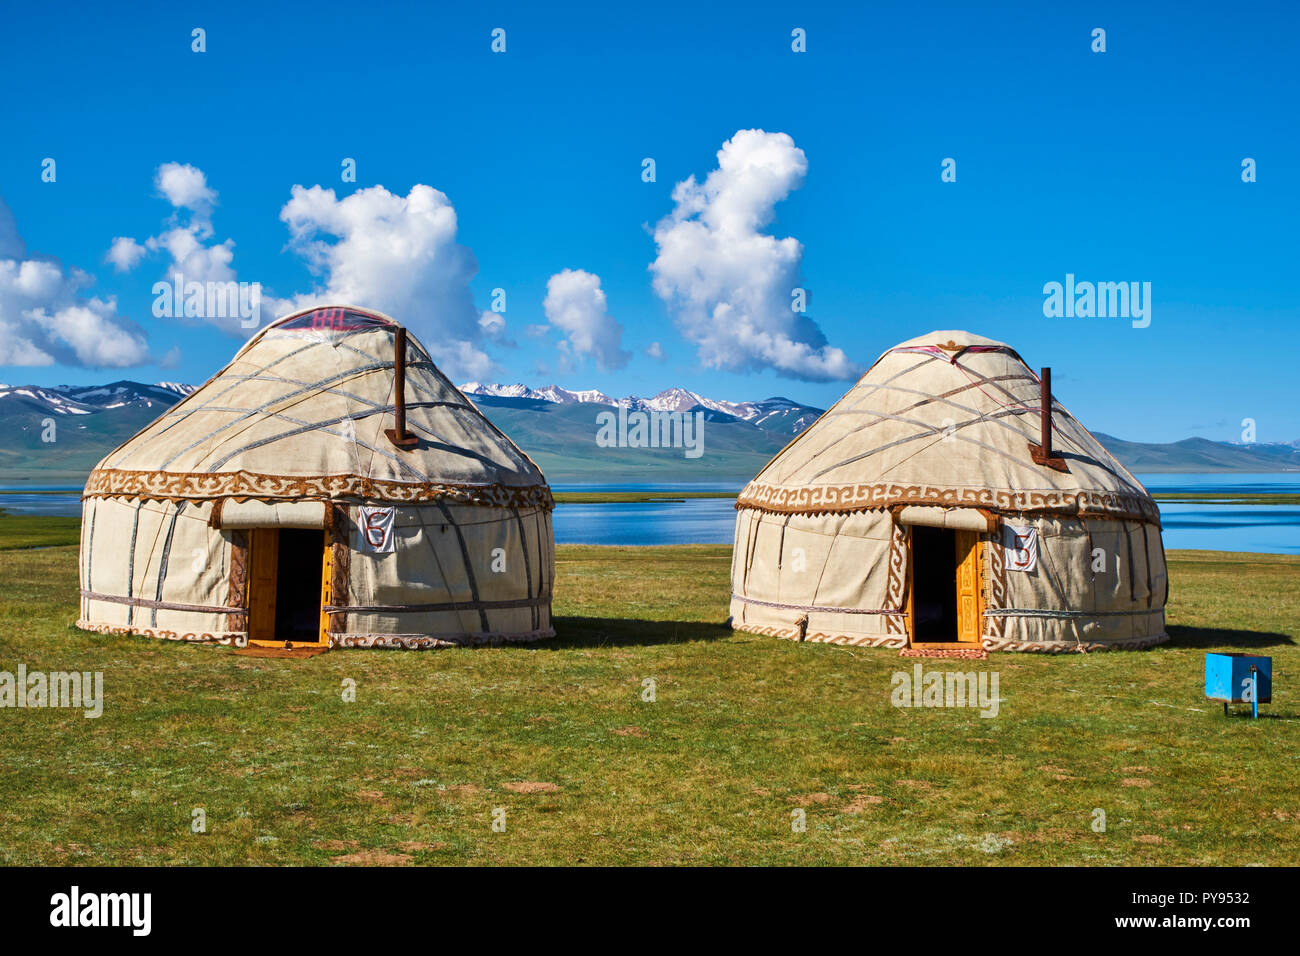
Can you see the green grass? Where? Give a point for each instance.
(743, 731)
(37, 531)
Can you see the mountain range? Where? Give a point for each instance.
(556, 426)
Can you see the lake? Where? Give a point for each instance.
(1265, 528)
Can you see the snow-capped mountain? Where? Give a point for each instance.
(776, 414)
(88, 399)
(549, 393)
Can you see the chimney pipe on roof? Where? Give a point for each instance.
(1045, 411)
(397, 434)
(1042, 452)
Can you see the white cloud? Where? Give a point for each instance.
(185, 187)
(124, 253)
(397, 254)
(575, 304)
(655, 351)
(728, 284)
(185, 239)
(44, 319)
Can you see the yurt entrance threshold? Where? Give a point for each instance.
(944, 587)
(289, 571)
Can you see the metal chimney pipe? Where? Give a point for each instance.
(1045, 407)
(399, 382)
(397, 434)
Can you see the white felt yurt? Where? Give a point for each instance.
(328, 487)
(935, 507)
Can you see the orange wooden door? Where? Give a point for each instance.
(968, 587)
(264, 557)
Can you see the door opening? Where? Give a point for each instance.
(945, 603)
(286, 590)
(934, 586)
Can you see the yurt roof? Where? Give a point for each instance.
(946, 419)
(301, 412)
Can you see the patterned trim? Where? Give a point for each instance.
(237, 584)
(242, 485)
(996, 588)
(1070, 647)
(988, 644)
(226, 639)
(426, 642)
(896, 588)
(818, 637)
(340, 567)
(826, 499)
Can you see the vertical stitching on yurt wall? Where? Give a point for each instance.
(469, 569)
(1146, 559)
(755, 522)
(1132, 579)
(542, 586)
(130, 566)
(817, 587)
(528, 569)
(163, 561)
(90, 558)
(1044, 556)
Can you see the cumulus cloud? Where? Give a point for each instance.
(186, 187)
(124, 253)
(398, 254)
(655, 351)
(575, 304)
(44, 318)
(186, 239)
(728, 283)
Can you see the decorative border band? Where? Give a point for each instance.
(988, 644)
(242, 485)
(227, 639)
(823, 499)
(428, 642)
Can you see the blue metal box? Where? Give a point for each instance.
(1224, 674)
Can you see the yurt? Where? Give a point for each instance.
(948, 506)
(328, 488)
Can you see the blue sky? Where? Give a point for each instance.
(1115, 166)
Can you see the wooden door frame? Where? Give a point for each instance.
(980, 550)
(327, 562)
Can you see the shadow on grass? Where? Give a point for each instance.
(628, 632)
(1223, 637)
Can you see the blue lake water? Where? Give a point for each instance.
(1265, 528)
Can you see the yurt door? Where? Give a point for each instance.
(288, 585)
(944, 591)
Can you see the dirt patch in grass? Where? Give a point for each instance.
(334, 846)
(373, 858)
(531, 786)
(862, 801)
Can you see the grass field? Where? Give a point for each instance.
(743, 731)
